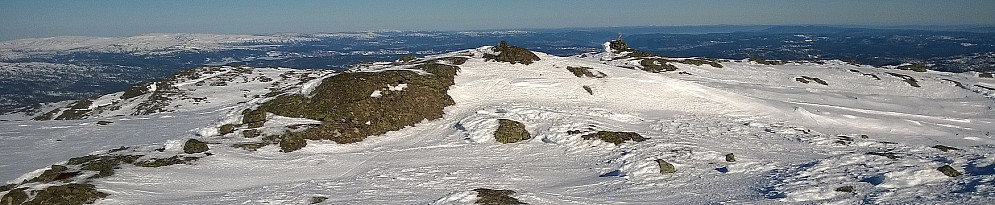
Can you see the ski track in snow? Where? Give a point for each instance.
(784, 135)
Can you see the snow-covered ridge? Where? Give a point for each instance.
(865, 136)
(194, 89)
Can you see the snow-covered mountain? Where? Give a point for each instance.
(502, 124)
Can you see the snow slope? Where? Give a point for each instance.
(793, 142)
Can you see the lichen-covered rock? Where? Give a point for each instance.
(944, 148)
(665, 167)
(847, 189)
(581, 72)
(806, 80)
(7, 187)
(68, 194)
(949, 171)
(292, 142)
(349, 113)
(616, 138)
(105, 165)
(510, 131)
(512, 54)
(194, 146)
(54, 173)
(15, 196)
(656, 65)
(885, 154)
(253, 118)
(226, 128)
(253, 133)
(318, 199)
(75, 111)
(136, 90)
(455, 60)
(730, 157)
(161, 162)
(495, 197)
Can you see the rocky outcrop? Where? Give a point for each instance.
(512, 54)
(355, 105)
(616, 138)
(194, 146)
(495, 197)
(949, 171)
(510, 131)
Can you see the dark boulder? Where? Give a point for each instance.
(949, 171)
(510, 131)
(495, 197)
(194, 146)
(616, 138)
(512, 54)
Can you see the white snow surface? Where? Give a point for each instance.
(786, 137)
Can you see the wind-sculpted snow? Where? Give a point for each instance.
(743, 132)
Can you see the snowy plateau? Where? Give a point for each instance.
(707, 131)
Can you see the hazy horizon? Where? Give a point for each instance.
(36, 19)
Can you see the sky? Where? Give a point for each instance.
(35, 18)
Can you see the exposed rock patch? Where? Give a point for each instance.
(944, 148)
(510, 131)
(226, 128)
(616, 138)
(846, 189)
(68, 194)
(16, 196)
(908, 79)
(762, 61)
(290, 142)
(253, 133)
(318, 199)
(949, 171)
(885, 154)
(348, 111)
(806, 80)
(253, 118)
(512, 54)
(136, 90)
(581, 72)
(495, 197)
(917, 67)
(194, 146)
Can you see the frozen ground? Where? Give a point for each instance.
(793, 142)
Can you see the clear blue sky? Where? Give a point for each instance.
(43, 18)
